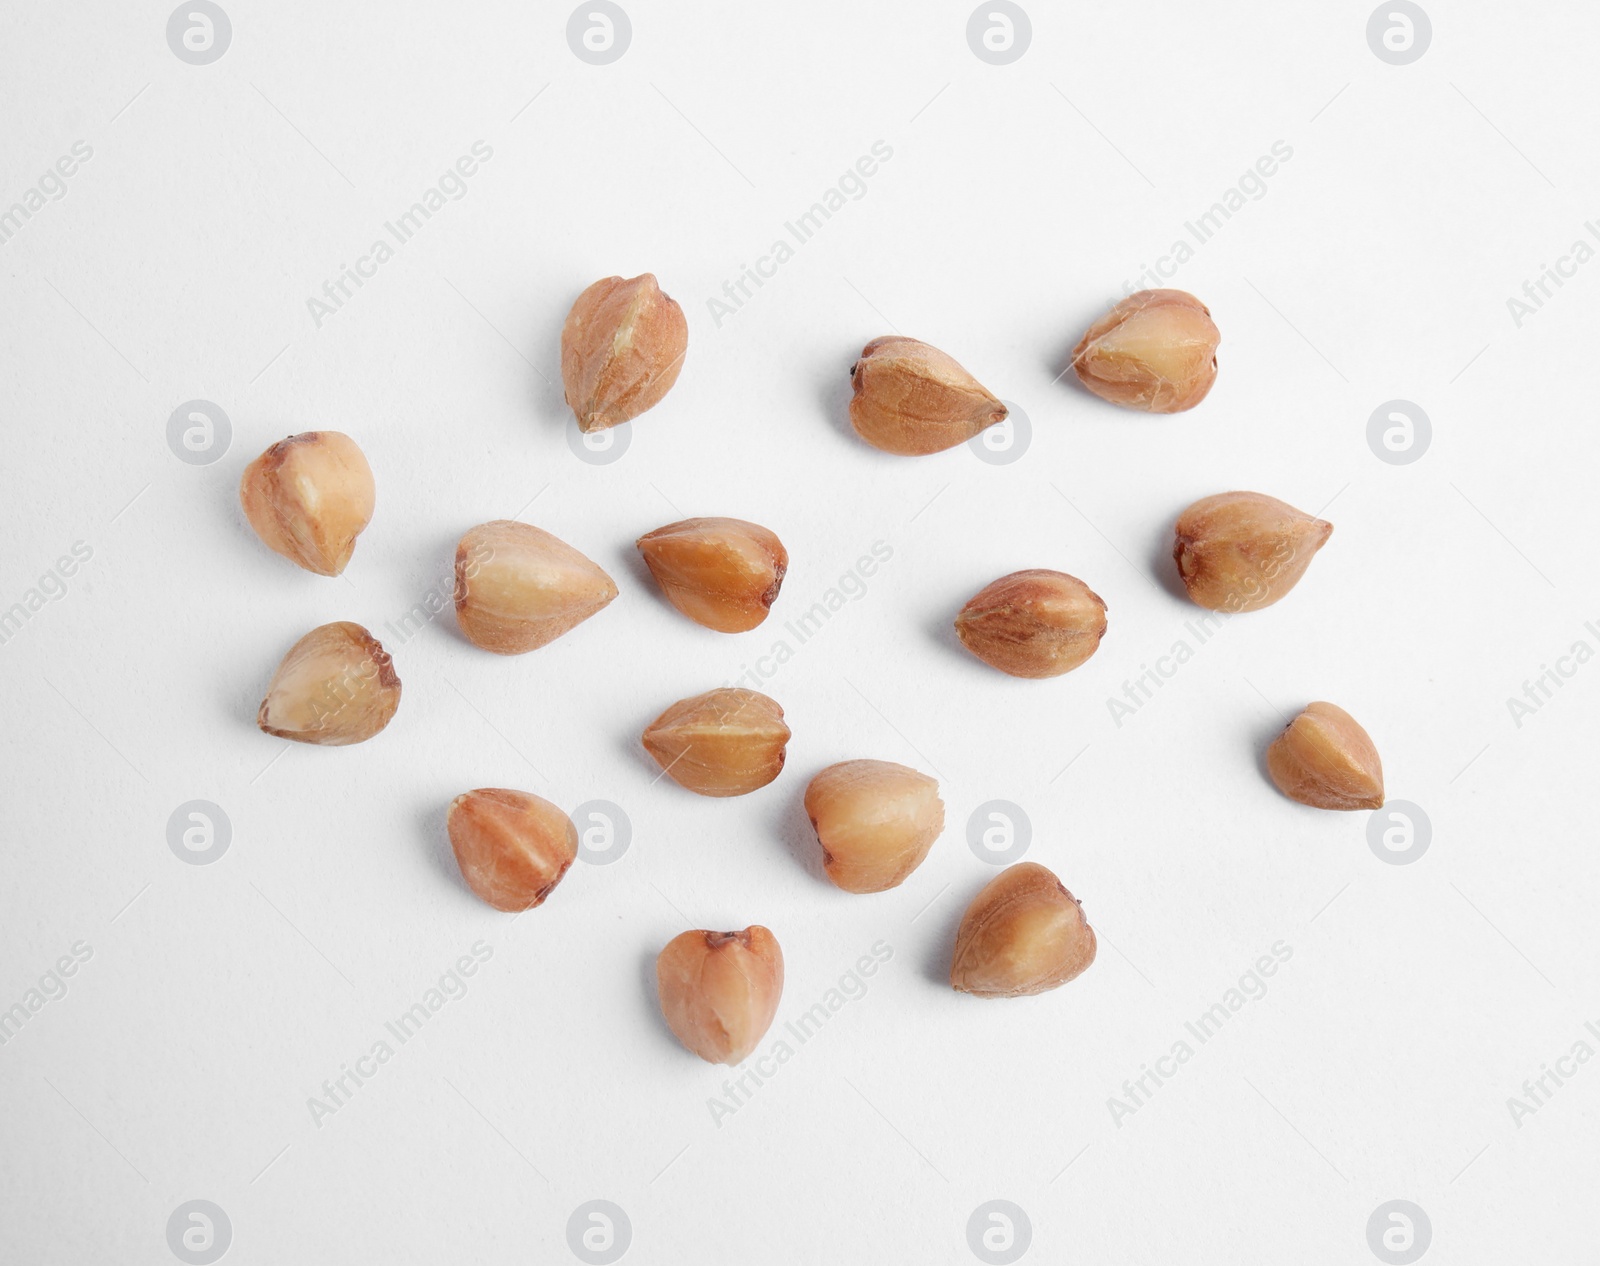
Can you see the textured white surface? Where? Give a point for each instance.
(1418, 998)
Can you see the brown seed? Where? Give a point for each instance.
(1325, 759)
(308, 497)
(512, 847)
(912, 399)
(518, 588)
(621, 349)
(875, 821)
(720, 990)
(1023, 934)
(1036, 623)
(1241, 551)
(722, 743)
(722, 573)
(336, 686)
(1156, 351)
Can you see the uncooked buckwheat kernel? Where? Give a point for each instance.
(875, 821)
(308, 497)
(336, 686)
(1241, 551)
(1325, 759)
(518, 588)
(722, 573)
(1023, 934)
(1036, 623)
(912, 399)
(513, 848)
(720, 990)
(621, 349)
(1155, 351)
(723, 743)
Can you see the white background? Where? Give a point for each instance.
(1018, 201)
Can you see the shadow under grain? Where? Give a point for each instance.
(1158, 557)
(833, 398)
(793, 827)
(650, 996)
(939, 926)
(432, 824)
